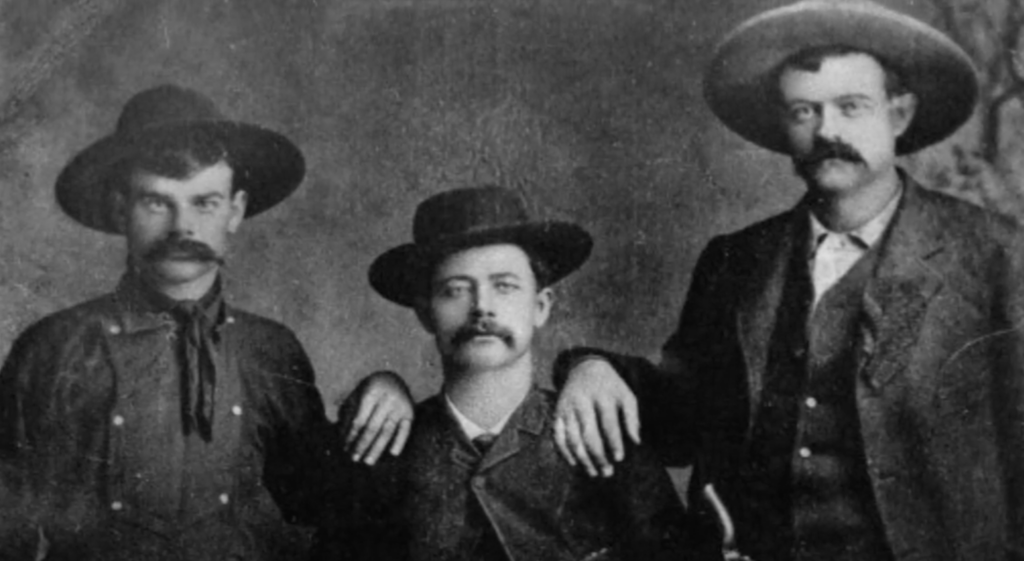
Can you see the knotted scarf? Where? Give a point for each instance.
(197, 330)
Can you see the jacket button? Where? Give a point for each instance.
(116, 505)
(478, 482)
(224, 499)
(115, 329)
(236, 410)
(118, 420)
(805, 452)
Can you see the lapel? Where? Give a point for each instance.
(894, 302)
(905, 280)
(525, 424)
(758, 306)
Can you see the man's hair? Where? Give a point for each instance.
(175, 156)
(811, 59)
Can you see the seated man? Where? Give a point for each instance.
(481, 478)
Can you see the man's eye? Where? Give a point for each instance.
(801, 113)
(506, 287)
(452, 291)
(853, 108)
(207, 204)
(154, 204)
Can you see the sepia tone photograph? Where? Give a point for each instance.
(511, 280)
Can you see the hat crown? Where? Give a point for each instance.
(164, 106)
(461, 211)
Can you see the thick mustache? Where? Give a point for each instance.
(180, 248)
(482, 329)
(829, 150)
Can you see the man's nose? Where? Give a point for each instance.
(483, 302)
(183, 222)
(828, 123)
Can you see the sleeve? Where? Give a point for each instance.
(690, 392)
(1009, 396)
(311, 478)
(28, 362)
(303, 445)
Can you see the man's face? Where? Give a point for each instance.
(842, 124)
(484, 307)
(178, 230)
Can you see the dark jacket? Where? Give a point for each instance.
(940, 373)
(65, 439)
(539, 507)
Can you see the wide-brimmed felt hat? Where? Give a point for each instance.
(470, 217)
(931, 65)
(266, 165)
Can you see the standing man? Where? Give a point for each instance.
(481, 479)
(158, 422)
(847, 374)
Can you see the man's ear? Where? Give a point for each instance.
(901, 110)
(239, 202)
(545, 299)
(422, 308)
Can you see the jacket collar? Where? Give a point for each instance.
(140, 308)
(894, 301)
(528, 422)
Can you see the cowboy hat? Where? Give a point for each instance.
(931, 65)
(470, 217)
(266, 165)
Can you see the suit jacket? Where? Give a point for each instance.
(940, 377)
(64, 453)
(540, 508)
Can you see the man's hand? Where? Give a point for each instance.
(378, 412)
(591, 409)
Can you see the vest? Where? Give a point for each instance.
(806, 488)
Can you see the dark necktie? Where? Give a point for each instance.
(199, 376)
(484, 442)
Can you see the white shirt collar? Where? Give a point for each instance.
(471, 429)
(868, 233)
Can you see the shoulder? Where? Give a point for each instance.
(753, 240)
(964, 222)
(67, 324)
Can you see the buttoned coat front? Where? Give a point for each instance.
(539, 507)
(67, 432)
(940, 376)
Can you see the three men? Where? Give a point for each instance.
(158, 422)
(847, 374)
(481, 478)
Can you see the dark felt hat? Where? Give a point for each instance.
(266, 165)
(931, 65)
(470, 217)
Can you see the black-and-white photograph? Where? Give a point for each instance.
(511, 280)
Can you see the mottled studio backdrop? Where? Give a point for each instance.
(592, 108)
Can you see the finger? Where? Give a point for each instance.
(631, 417)
(370, 433)
(398, 444)
(387, 430)
(560, 443)
(608, 415)
(594, 443)
(366, 410)
(579, 451)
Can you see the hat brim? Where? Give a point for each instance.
(266, 165)
(399, 273)
(932, 66)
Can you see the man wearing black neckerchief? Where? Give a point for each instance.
(158, 422)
